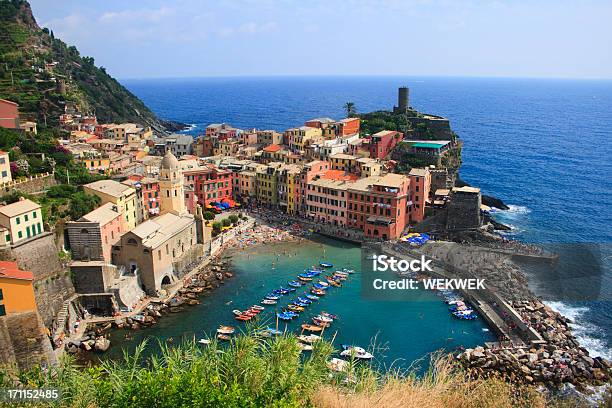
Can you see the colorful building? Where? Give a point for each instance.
(16, 289)
(268, 137)
(267, 184)
(94, 234)
(299, 138)
(124, 197)
(19, 221)
(378, 205)
(420, 185)
(383, 142)
(326, 201)
(9, 114)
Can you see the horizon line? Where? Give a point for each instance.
(237, 76)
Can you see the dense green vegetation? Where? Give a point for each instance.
(374, 122)
(43, 90)
(252, 371)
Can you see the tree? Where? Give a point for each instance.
(82, 203)
(208, 215)
(217, 226)
(233, 218)
(349, 107)
(226, 222)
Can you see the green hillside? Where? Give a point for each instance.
(42, 74)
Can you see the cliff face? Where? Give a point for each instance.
(43, 74)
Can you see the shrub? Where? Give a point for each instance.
(226, 222)
(208, 215)
(217, 226)
(233, 218)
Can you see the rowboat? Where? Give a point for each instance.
(337, 364)
(288, 289)
(204, 341)
(333, 282)
(284, 316)
(318, 292)
(305, 347)
(226, 330)
(300, 304)
(311, 327)
(352, 352)
(244, 318)
(304, 300)
(324, 284)
(311, 338)
(268, 302)
(224, 337)
(295, 284)
(320, 322)
(312, 297)
(349, 271)
(325, 265)
(256, 307)
(331, 316)
(305, 278)
(271, 296)
(325, 319)
(237, 312)
(295, 308)
(319, 286)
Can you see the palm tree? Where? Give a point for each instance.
(349, 107)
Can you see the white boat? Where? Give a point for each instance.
(357, 352)
(305, 347)
(226, 330)
(204, 341)
(323, 283)
(324, 319)
(337, 364)
(257, 307)
(311, 338)
(268, 302)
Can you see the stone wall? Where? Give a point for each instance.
(31, 185)
(24, 341)
(52, 284)
(463, 211)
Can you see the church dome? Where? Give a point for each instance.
(169, 162)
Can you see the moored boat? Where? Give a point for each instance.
(223, 337)
(326, 265)
(268, 302)
(311, 327)
(226, 329)
(310, 338)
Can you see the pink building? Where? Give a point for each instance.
(9, 114)
(94, 234)
(150, 196)
(308, 173)
(420, 186)
(326, 201)
(383, 142)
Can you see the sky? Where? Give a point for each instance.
(199, 38)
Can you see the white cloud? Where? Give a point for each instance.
(249, 28)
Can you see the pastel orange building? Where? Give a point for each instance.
(16, 289)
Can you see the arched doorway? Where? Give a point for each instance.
(165, 280)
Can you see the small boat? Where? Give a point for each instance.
(295, 308)
(257, 307)
(237, 312)
(311, 338)
(304, 300)
(324, 319)
(357, 352)
(305, 278)
(295, 284)
(319, 286)
(314, 270)
(271, 296)
(349, 271)
(318, 292)
(282, 291)
(320, 322)
(224, 337)
(284, 316)
(268, 302)
(337, 364)
(331, 316)
(333, 282)
(322, 283)
(312, 297)
(311, 327)
(244, 318)
(204, 341)
(226, 330)
(305, 347)
(326, 265)
(300, 304)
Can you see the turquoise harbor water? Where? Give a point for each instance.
(402, 331)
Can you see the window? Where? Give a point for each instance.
(8, 237)
(18, 220)
(2, 310)
(34, 215)
(20, 234)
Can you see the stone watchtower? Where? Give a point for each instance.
(403, 100)
(171, 181)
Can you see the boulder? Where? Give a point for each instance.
(102, 344)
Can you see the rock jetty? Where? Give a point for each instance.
(557, 360)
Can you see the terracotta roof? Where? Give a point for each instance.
(272, 148)
(339, 175)
(11, 270)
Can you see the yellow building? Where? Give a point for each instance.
(16, 290)
(293, 179)
(20, 220)
(98, 165)
(228, 147)
(267, 180)
(5, 168)
(344, 162)
(124, 197)
(298, 138)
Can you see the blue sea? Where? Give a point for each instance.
(542, 146)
